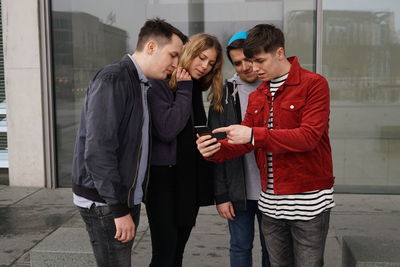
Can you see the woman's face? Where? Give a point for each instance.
(203, 63)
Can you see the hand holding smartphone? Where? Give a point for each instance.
(203, 130)
(205, 145)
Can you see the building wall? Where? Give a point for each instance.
(23, 92)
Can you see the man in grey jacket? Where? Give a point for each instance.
(237, 181)
(111, 158)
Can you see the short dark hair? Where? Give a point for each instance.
(160, 30)
(237, 44)
(263, 38)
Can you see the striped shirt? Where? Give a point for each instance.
(302, 206)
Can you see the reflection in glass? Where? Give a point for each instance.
(361, 61)
(82, 44)
(300, 32)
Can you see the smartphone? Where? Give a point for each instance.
(203, 130)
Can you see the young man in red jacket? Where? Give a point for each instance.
(286, 123)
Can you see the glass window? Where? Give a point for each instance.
(90, 34)
(361, 61)
(300, 31)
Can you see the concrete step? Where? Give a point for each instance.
(364, 251)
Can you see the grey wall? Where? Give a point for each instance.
(23, 92)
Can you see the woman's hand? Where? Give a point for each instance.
(207, 145)
(182, 75)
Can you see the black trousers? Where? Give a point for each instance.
(168, 240)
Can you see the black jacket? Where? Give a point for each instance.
(174, 139)
(108, 143)
(229, 176)
(170, 112)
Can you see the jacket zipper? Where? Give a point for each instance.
(137, 168)
(148, 163)
(236, 119)
(135, 177)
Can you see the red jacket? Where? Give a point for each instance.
(299, 141)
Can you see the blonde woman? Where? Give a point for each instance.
(180, 179)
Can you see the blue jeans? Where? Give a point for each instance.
(100, 225)
(242, 235)
(295, 242)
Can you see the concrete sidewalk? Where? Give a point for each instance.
(29, 215)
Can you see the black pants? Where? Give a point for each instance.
(168, 240)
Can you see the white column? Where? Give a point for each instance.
(23, 92)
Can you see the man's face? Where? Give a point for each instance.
(164, 59)
(268, 65)
(243, 66)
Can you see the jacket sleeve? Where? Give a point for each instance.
(216, 120)
(169, 115)
(314, 122)
(231, 151)
(105, 107)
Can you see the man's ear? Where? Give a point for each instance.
(150, 47)
(280, 53)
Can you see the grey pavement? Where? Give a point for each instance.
(37, 224)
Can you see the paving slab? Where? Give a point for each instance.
(208, 210)
(49, 197)
(201, 250)
(23, 261)
(12, 247)
(54, 252)
(23, 226)
(21, 220)
(11, 195)
(75, 222)
(210, 224)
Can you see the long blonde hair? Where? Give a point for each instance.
(197, 44)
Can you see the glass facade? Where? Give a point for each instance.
(361, 60)
(358, 59)
(90, 34)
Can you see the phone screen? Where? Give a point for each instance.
(203, 130)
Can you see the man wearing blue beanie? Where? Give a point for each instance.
(237, 182)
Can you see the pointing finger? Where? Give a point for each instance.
(222, 130)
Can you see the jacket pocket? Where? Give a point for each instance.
(290, 113)
(256, 114)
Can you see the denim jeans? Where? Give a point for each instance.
(295, 242)
(242, 235)
(100, 225)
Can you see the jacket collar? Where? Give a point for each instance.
(292, 79)
(294, 73)
(127, 61)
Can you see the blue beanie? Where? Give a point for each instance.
(237, 36)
